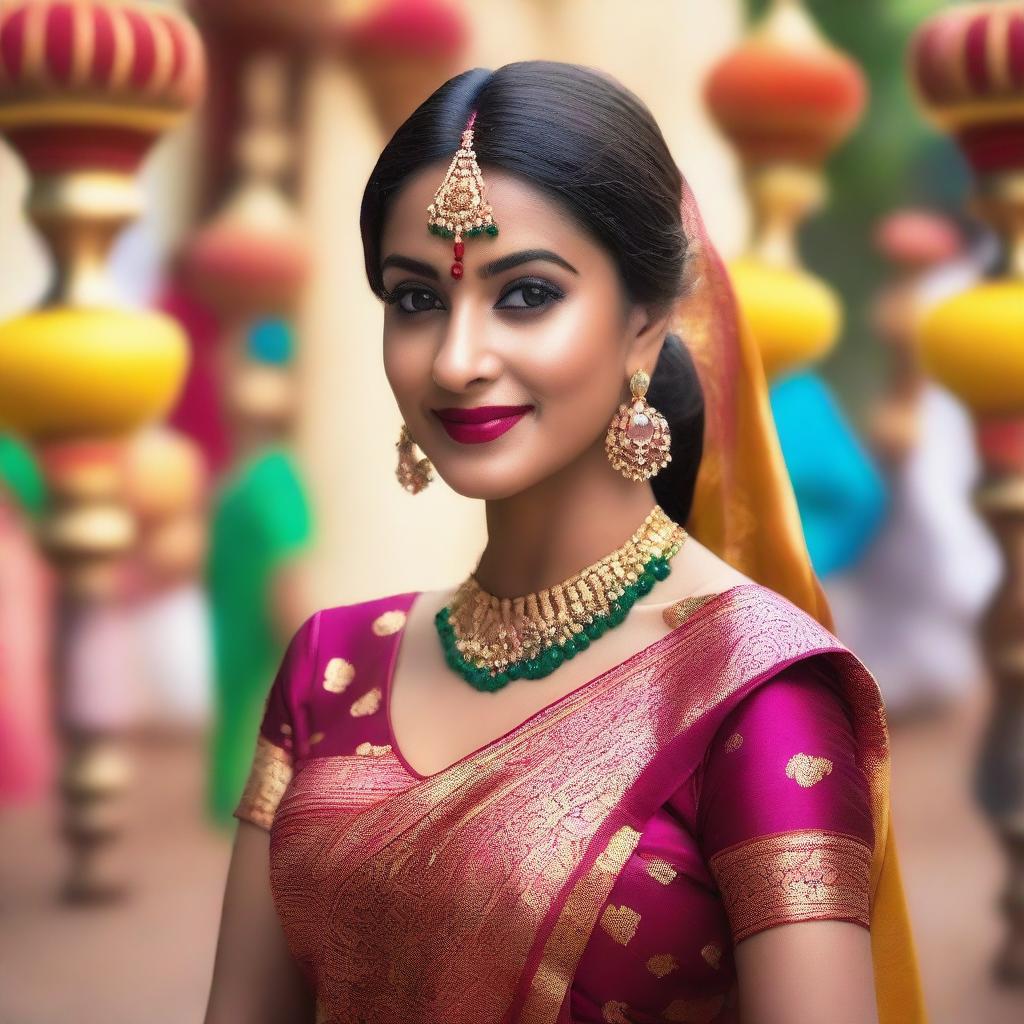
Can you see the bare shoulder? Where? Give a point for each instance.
(696, 571)
(424, 608)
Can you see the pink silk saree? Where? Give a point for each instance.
(471, 895)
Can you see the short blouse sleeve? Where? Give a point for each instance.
(783, 808)
(282, 730)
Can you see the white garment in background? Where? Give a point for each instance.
(910, 608)
(141, 663)
(102, 691)
(174, 645)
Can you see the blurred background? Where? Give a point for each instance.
(197, 441)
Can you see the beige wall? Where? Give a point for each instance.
(23, 258)
(374, 538)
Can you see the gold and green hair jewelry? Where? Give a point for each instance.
(459, 207)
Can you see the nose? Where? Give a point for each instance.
(464, 355)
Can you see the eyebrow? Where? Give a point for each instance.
(487, 270)
(407, 263)
(526, 256)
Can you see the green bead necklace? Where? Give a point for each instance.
(491, 641)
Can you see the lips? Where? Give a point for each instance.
(482, 423)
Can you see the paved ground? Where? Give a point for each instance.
(952, 868)
(149, 958)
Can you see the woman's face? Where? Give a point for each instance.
(539, 325)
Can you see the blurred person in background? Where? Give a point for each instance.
(911, 606)
(839, 490)
(261, 529)
(593, 828)
(167, 485)
(27, 742)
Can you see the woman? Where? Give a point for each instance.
(606, 824)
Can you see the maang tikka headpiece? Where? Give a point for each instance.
(459, 207)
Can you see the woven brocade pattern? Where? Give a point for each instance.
(268, 779)
(804, 875)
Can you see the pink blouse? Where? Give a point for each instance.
(773, 827)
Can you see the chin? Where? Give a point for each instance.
(490, 479)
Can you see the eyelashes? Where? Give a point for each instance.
(536, 294)
(526, 294)
(422, 300)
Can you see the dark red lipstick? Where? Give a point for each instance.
(481, 423)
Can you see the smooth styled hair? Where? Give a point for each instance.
(593, 147)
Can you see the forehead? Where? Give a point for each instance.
(526, 217)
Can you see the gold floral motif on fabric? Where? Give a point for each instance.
(800, 875)
(660, 870)
(338, 674)
(614, 1012)
(620, 923)
(575, 922)
(712, 955)
(367, 749)
(367, 704)
(661, 964)
(388, 622)
(807, 770)
(268, 779)
(702, 1010)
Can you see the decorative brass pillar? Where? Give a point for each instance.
(85, 89)
(785, 98)
(401, 50)
(913, 243)
(968, 67)
(251, 259)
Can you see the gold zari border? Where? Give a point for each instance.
(268, 779)
(801, 875)
(574, 925)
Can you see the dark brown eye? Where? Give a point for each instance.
(414, 300)
(528, 296)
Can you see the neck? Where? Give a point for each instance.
(542, 536)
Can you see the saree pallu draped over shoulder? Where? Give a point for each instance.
(470, 895)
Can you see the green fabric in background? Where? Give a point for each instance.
(262, 518)
(21, 476)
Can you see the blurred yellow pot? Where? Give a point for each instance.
(794, 316)
(88, 371)
(974, 345)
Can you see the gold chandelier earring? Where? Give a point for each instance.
(414, 471)
(638, 438)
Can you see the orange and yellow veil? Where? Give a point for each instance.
(745, 511)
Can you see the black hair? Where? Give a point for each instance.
(589, 143)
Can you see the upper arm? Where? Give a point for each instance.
(806, 973)
(785, 825)
(284, 729)
(255, 978)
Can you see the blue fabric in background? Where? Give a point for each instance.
(840, 492)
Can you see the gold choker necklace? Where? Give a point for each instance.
(492, 640)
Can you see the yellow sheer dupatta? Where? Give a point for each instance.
(745, 511)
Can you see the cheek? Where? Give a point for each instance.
(576, 361)
(406, 366)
